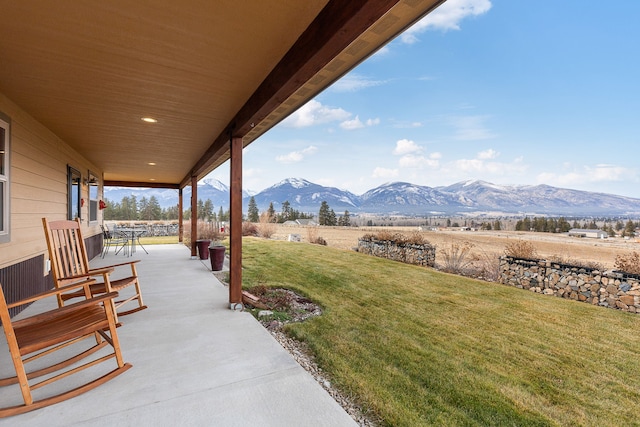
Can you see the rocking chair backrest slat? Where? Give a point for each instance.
(66, 248)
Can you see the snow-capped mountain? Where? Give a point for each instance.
(543, 199)
(305, 196)
(405, 198)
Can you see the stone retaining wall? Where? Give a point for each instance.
(408, 253)
(611, 289)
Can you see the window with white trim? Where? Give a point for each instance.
(74, 193)
(94, 191)
(5, 166)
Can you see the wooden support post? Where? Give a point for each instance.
(235, 264)
(194, 215)
(180, 217)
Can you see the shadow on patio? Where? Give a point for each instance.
(195, 361)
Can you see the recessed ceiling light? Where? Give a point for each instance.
(152, 179)
(151, 163)
(149, 120)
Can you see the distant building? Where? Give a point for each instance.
(307, 222)
(593, 234)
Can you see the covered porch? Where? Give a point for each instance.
(195, 361)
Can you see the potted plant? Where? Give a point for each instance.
(217, 252)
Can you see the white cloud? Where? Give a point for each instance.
(358, 124)
(587, 174)
(406, 146)
(488, 154)
(384, 173)
(355, 82)
(352, 124)
(470, 128)
(420, 162)
(446, 17)
(296, 156)
(482, 164)
(314, 113)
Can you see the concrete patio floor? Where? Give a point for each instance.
(195, 361)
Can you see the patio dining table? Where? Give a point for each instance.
(133, 234)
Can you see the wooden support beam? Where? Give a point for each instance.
(235, 264)
(194, 214)
(180, 217)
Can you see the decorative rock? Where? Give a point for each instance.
(607, 289)
(627, 299)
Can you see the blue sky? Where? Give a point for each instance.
(510, 92)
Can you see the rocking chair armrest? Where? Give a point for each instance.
(53, 292)
(70, 280)
(40, 317)
(93, 271)
(100, 271)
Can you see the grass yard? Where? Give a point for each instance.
(420, 347)
(158, 240)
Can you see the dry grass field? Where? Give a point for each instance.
(485, 243)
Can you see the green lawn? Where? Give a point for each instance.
(158, 240)
(420, 347)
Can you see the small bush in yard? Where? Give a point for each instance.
(629, 263)
(312, 237)
(593, 265)
(521, 249)
(457, 258)
(266, 227)
(414, 239)
(486, 266)
(249, 229)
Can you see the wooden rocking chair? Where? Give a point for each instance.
(40, 336)
(69, 262)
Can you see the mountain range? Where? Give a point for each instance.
(402, 198)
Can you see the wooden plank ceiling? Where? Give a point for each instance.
(91, 70)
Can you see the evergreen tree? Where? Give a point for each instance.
(285, 214)
(129, 209)
(112, 211)
(271, 212)
(497, 225)
(170, 213)
(563, 225)
(144, 210)
(323, 214)
(200, 214)
(332, 220)
(252, 211)
(629, 229)
(345, 219)
(207, 210)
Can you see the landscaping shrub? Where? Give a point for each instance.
(592, 265)
(521, 249)
(457, 258)
(249, 229)
(398, 238)
(486, 266)
(312, 237)
(267, 226)
(629, 263)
